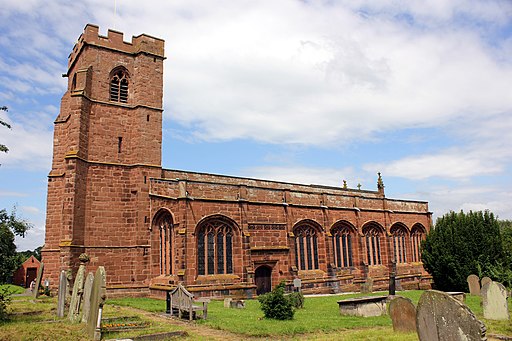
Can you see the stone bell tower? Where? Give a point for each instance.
(107, 144)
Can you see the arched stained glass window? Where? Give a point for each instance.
(417, 235)
(215, 247)
(373, 235)
(306, 247)
(400, 234)
(164, 223)
(342, 238)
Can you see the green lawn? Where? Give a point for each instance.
(320, 315)
(13, 288)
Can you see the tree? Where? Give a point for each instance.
(10, 226)
(461, 244)
(3, 148)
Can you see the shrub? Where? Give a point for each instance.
(296, 299)
(275, 305)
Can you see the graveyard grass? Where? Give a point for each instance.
(319, 320)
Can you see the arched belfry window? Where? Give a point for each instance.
(399, 233)
(215, 247)
(373, 235)
(119, 85)
(164, 223)
(342, 240)
(417, 235)
(306, 246)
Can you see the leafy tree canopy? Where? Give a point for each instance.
(461, 244)
(3, 148)
(10, 226)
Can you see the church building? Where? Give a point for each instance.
(152, 227)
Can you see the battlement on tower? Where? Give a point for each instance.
(142, 43)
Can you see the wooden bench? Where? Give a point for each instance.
(181, 301)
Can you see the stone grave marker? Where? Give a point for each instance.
(403, 314)
(474, 285)
(440, 317)
(87, 296)
(76, 297)
(61, 303)
(227, 302)
(367, 287)
(494, 301)
(98, 296)
(484, 281)
(38, 280)
(237, 304)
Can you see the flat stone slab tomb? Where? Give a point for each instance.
(363, 306)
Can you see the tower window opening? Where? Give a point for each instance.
(119, 144)
(119, 87)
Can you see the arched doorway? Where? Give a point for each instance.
(263, 279)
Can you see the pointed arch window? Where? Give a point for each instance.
(215, 248)
(373, 235)
(399, 233)
(342, 238)
(119, 85)
(166, 241)
(306, 247)
(417, 235)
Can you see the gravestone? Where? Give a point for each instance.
(38, 280)
(484, 281)
(494, 301)
(76, 297)
(237, 304)
(474, 285)
(227, 302)
(61, 303)
(403, 314)
(440, 317)
(98, 296)
(87, 296)
(367, 287)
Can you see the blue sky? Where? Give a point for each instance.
(299, 91)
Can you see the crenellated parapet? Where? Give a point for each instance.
(142, 43)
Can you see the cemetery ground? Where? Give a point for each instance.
(35, 319)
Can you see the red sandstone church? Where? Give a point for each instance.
(151, 227)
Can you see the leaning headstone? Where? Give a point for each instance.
(367, 287)
(403, 314)
(38, 281)
(61, 303)
(494, 301)
(474, 285)
(484, 281)
(237, 304)
(76, 297)
(87, 296)
(98, 296)
(440, 317)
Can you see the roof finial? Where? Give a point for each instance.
(344, 184)
(380, 183)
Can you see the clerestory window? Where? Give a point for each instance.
(119, 86)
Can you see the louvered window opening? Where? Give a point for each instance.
(119, 87)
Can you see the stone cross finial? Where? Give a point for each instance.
(359, 186)
(345, 184)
